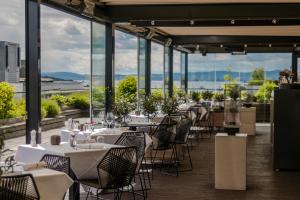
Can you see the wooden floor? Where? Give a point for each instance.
(263, 183)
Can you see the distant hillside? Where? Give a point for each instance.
(193, 76)
(67, 76)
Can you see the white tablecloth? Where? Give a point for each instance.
(50, 184)
(112, 135)
(83, 161)
(143, 118)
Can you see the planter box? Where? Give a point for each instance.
(10, 121)
(18, 128)
(262, 112)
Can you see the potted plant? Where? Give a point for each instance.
(149, 106)
(207, 95)
(247, 101)
(195, 96)
(169, 106)
(122, 107)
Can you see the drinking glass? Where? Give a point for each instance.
(109, 119)
(100, 139)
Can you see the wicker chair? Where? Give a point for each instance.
(18, 187)
(115, 172)
(137, 139)
(181, 138)
(58, 163)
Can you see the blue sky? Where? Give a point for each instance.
(66, 46)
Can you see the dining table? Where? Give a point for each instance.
(83, 160)
(50, 184)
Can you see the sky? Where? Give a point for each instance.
(66, 46)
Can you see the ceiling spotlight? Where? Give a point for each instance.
(232, 21)
(245, 45)
(152, 22)
(270, 45)
(221, 45)
(192, 22)
(274, 21)
(295, 45)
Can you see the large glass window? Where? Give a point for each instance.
(157, 67)
(12, 65)
(176, 69)
(98, 69)
(126, 70)
(65, 64)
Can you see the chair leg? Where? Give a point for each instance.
(143, 187)
(189, 154)
(133, 193)
(88, 194)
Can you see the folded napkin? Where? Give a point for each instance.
(33, 166)
(90, 146)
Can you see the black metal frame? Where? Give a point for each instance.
(33, 69)
(148, 67)
(294, 69)
(109, 68)
(186, 72)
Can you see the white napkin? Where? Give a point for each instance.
(32, 166)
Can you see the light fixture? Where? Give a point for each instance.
(152, 22)
(274, 21)
(295, 45)
(192, 22)
(270, 45)
(245, 45)
(221, 45)
(232, 21)
(197, 49)
(168, 42)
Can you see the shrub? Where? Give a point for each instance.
(6, 100)
(60, 100)
(127, 88)
(264, 96)
(122, 107)
(79, 101)
(51, 107)
(207, 95)
(98, 96)
(219, 96)
(157, 95)
(18, 109)
(169, 106)
(43, 112)
(196, 96)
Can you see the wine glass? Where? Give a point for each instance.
(109, 119)
(101, 117)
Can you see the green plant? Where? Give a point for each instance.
(18, 109)
(233, 91)
(157, 95)
(98, 96)
(196, 96)
(51, 107)
(122, 107)
(181, 95)
(43, 112)
(6, 100)
(264, 92)
(207, 95)
(219, 96)
(1, 150)
(78, 101)
(127, 88)
(169, 106)
(60, 100)
(149, 105)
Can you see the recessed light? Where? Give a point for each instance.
(232, 21)
(221, 45)
(274, 21)
(295, 45)
(270, 45)
(245, 45)
(152, 22)
(192, 22)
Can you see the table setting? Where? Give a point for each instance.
(50, 184)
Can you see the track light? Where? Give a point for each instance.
(152, 22)
(168, 42)
(232, 22)
(192, 22)
(245, 45)
(274, 21)
(295, 45)
(270, 45)
(221, 45)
